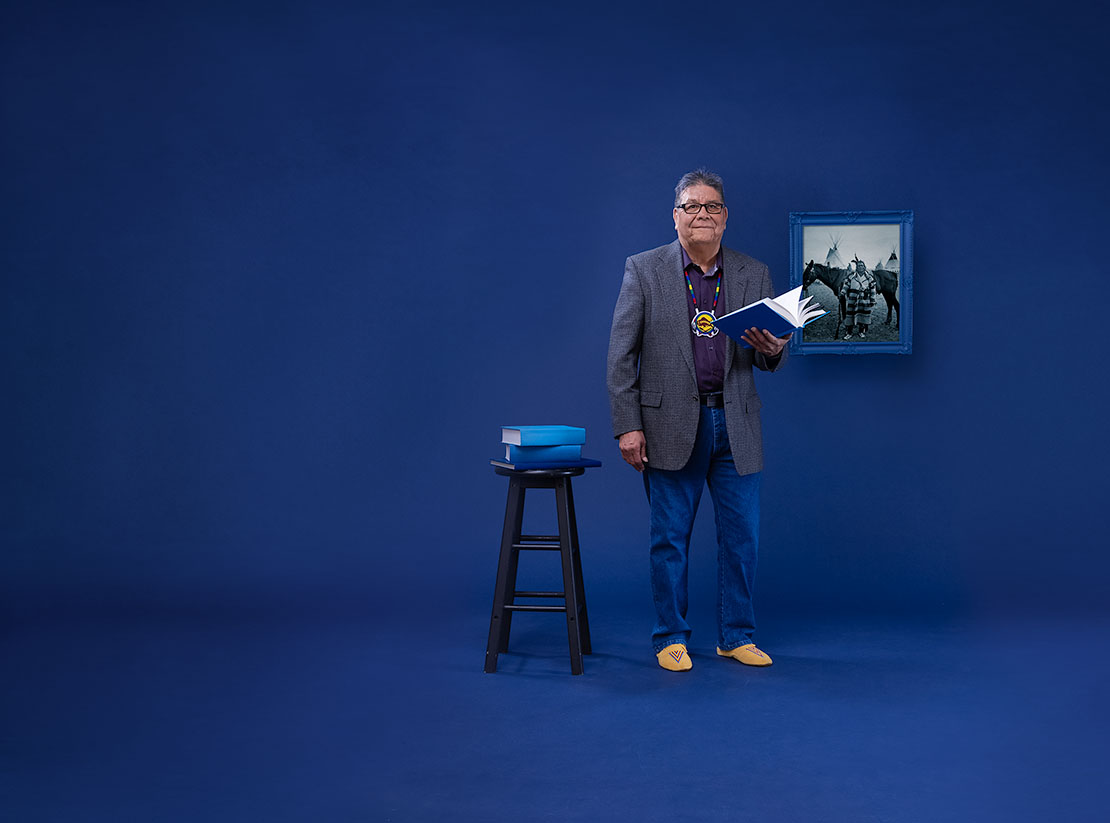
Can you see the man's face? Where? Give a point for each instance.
(703, 228)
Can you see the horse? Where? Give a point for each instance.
(834, 279)
(887, 281)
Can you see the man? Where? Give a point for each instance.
(685, 408)
(858, 292)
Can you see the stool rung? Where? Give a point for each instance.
(539, 594)
(513, 607)
(545, 546)
(540, 538)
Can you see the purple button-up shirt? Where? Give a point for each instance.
(709, 352)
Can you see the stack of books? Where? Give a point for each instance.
(543, 447)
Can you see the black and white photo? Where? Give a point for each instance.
(858, 266)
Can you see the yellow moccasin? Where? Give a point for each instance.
(748, 654)
(674, 658)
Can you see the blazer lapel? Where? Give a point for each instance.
(674, 300)
(736, 293)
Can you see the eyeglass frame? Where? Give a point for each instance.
(699, 206)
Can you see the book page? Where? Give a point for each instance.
(781, 310)
(791, 304)
(809, 313)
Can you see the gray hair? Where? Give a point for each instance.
(702, 177)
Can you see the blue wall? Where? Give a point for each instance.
(273, 277)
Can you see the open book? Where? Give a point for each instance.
(779, 315)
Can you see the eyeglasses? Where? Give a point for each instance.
(694, 208)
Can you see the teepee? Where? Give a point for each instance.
(878, 266)
(832, 259)
(892, 263)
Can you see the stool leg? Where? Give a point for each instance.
(570, 587)
(580, 584)
(514, 515)
(514, 562)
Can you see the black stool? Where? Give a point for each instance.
(565, 542)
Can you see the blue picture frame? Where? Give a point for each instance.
(854, 237)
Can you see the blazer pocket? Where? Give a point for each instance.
(651, 398)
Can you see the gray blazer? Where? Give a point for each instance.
(650, 371)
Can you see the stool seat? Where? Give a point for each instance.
(513, 542)
(571, 472)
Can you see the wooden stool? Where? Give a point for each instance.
(565, 542)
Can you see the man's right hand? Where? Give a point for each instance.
(634, 449)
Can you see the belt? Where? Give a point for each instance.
(716, 400)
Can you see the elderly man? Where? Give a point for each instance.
(686, 411)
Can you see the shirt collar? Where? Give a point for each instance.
(717, 266)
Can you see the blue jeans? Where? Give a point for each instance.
(674, 497)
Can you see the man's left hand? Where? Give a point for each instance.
(764, 342)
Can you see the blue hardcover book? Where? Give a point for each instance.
(543, 435)
(533, 454)
(778, 315)
(584, 463)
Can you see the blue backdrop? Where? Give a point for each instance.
(275, 275)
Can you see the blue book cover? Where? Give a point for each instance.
(543, 435)
(532, 454)
(780, 315)
(584, 463)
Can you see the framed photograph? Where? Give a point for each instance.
(859, 266)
